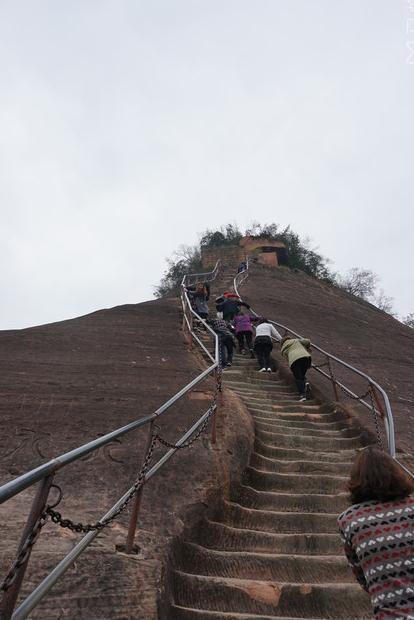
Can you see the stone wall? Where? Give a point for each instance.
(230, 256)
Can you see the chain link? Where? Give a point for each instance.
(24, 552)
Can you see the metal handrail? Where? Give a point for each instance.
(45, 472)
(386, 413)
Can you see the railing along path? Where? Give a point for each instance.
(43, 511)
(378, 403)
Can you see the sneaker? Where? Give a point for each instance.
(307, 390)
(243, 352)
(252, 356)
(228, 364)
(262, 370)
(269, 370)
(302, 398)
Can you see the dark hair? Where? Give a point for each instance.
(376, 476)
(261, 320)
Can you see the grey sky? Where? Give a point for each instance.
(128, 127)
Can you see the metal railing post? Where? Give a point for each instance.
(335, 389)
(10, 596)
(384, 418)
(133, 520)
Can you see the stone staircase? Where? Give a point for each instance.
(274, 551)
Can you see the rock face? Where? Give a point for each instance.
(66, 383)
(273, 550)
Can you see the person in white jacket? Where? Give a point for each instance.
(263, 346)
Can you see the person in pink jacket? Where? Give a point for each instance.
(244, 331)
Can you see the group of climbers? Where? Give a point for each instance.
(232, 320)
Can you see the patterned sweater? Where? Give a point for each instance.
(379, 544)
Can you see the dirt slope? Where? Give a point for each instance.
(354, 330)
(66, 383)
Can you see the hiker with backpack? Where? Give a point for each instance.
(243, 325)
(263, 346)
(226, 341)
(297, 353)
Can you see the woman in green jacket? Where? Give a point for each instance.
(296, 350)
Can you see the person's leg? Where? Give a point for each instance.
(308, 393)
(249, 341)
(299, 372)
(261, 358)
(268, 351)
(229, 345)
(223, 353)
(240, 341)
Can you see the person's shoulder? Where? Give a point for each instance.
(355, 509)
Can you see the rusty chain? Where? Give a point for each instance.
(24, 552)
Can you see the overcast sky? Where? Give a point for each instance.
(128, 127)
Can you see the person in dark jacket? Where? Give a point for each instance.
(226, 341)
(230, 306)
(378, 532)
(297, 352)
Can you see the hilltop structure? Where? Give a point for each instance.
(265, 250)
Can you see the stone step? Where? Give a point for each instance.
(263, 597)
(268, 385)
(216, 535)
(305, 431)
(186, 613)
(286, 408)
(263, 463)
(277, 420)
(291, 440)
(264, 566)
(269, 400)
(249, 497)
(296, 483)
(267, 393)
(310, 453)
(278, 522)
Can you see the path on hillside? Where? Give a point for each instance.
(275, 551)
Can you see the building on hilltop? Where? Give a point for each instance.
(265, 250)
